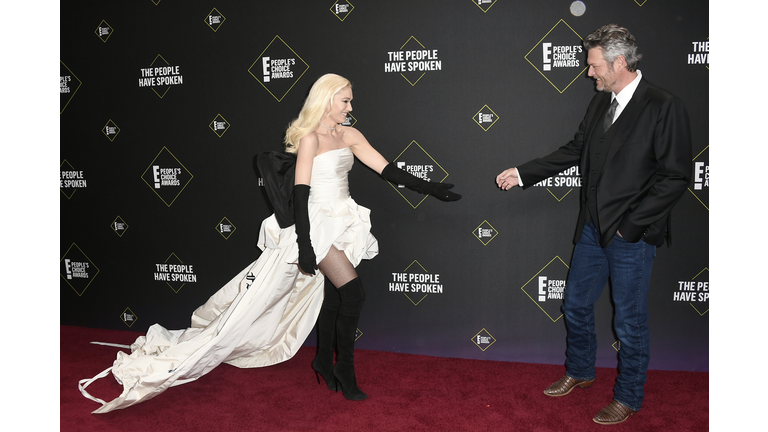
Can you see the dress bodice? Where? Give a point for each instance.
(330, 175)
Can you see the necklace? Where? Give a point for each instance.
(329, 128)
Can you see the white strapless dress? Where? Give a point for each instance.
(264, 314)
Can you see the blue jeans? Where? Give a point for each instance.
(629, 267)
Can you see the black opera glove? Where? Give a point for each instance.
(438, 190)
(307, 258)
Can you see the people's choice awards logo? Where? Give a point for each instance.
(485, 118)
(77, 270)
(485, 232)
(119, 226)
(349, 121)
(413, 60)
(278, 68)
(128, 317)
(483, 339)
(166, 176)
(69, 84)
(700, 181)
(225, 228)
(484, 5)
(342, 9)
(103, 31)
(110, 130)
(219, 125)
(416, 161)
(559, 56)
(547, 288)
(214, 20)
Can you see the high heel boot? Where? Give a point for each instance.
(326, 336)
(352, 299)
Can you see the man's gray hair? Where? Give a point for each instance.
(614, 41)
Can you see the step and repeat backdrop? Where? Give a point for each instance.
(166, 103)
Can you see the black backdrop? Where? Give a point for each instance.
(486, 104)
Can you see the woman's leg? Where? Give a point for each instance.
(326, 335)
(337, 268)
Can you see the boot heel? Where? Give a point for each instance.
(330, 381)
(348, 384)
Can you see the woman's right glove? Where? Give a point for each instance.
(438, 190)
(307, 258)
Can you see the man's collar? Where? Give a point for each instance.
(625, 95)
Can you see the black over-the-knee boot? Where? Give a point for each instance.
(326, 335)
(352, 299)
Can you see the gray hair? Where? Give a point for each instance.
(614, 41)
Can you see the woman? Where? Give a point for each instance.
(322, 144)
(265, 313)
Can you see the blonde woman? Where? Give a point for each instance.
(325, 151)
(265, 313)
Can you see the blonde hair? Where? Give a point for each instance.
(319, 99)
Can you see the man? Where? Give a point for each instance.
(633, 149)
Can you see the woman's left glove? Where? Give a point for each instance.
(307, 258)
(440, 191)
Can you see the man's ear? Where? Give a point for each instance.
(620, 62)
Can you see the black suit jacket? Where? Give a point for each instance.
(647, 170)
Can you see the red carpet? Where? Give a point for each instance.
(406, 393)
